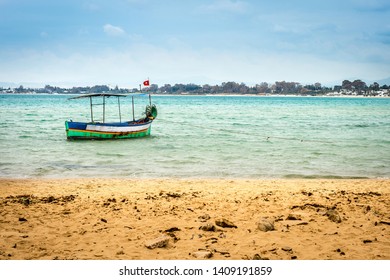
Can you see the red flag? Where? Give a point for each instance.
(146, 83)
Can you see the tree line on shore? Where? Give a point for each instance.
(280, 87)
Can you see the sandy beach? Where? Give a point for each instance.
(172, 219)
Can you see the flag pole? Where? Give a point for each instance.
(150, 98)
(132, 102)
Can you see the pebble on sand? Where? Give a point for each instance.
(207, 227)
(202, 254)
(225, 223)
(334, 216)
(265, 225)
(159, 242)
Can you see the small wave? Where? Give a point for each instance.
(300, 176)
(363, 125)
(43, 171)
(110, 154)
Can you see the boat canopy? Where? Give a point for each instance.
(106, 95)
(98, 94)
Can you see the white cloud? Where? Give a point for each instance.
(112, 30)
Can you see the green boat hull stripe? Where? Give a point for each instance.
(129, 132)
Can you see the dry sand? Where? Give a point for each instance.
(118, 218)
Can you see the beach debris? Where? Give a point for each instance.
(287, 249)
(313, 205)
(52, 199)
(202, 254)
(367, 209)
(225, 223)
(204, 218)
(171, 232)
(21, 219)
(307, 193)
(279, 218)
(226, 254)
(265, 225)
(212, 240)
(151, 197)
(170, 194)
(368, 194)
(159, 242)
(294, 217)
(103, 220)
(27, 200)
(172, 229)
(257, 257)
(109, 201)
(333, 215)
(385, 223)
(174, 195)
(207, 227)
(340, 251)
(173, 236)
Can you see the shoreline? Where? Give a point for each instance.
(225, 95)
(217, 219)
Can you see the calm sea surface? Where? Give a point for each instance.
(202, 137)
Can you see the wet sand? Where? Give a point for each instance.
(172, 219)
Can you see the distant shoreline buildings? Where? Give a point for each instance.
(347, 88)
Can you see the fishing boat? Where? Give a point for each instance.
(111, 130)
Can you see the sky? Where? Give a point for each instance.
(124, 42)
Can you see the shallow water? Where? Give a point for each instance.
(202, 136)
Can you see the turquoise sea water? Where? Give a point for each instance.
(202, 137)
